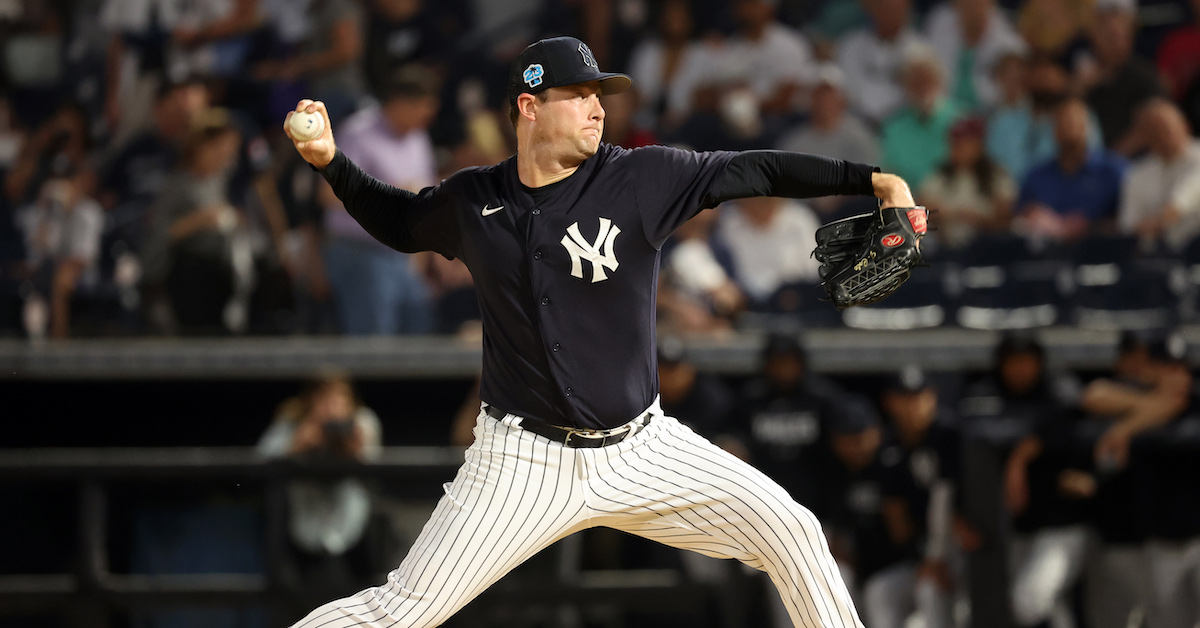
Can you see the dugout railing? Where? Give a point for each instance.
(88, 596)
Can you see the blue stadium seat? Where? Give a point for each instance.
(1021, 295)
(921, 302)
(1136, 295)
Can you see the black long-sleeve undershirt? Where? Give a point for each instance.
(790, 175)
(378, 207)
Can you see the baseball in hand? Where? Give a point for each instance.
(307, 126)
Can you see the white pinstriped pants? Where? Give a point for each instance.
(517, 493)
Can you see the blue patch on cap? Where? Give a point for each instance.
(533, 75)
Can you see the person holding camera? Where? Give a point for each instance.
(327, 519)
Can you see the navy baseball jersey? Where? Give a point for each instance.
(566, 274)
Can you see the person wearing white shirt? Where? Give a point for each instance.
(1161, 195)
(771, 241)
(769, 59)
(873, 56)
(970, 36)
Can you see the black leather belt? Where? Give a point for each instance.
(575, 437)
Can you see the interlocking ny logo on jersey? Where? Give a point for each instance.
(580, 249)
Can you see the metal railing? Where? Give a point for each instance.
(94, 590)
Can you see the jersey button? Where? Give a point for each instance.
(556, 347)
(545, 300)
(537, 211)
(569, 391)
(537, 255)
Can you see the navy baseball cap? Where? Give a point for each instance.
(909, 379)
(557, 62)
(852, 414)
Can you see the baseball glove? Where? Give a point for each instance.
(865, 258)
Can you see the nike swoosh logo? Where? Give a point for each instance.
(488, 211)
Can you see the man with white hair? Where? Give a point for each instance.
(1161, 197)
(916, 138)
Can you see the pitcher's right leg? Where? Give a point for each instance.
(516, 494)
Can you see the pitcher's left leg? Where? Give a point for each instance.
(670, 485)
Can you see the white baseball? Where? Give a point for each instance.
(307, 126)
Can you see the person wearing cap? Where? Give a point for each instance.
(563, 242)
(921, 467)
(782, 416)
(1149, 385)
(848, 497)
(971, 192)
(1026, 413)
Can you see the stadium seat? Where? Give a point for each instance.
(921, 302)
(1138, 295)
(1021, 295)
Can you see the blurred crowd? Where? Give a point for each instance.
(148, 188)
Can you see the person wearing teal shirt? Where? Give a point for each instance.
(915, 139)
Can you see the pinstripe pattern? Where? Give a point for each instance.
(517, 493)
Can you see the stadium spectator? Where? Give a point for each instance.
(62, 242)
(61, 144)
(770, 241)
(327, 61)
(621, 126)
(1053, 27)
(751, 80)
(154, 41)
(132, 178)
(400, 33)
(915, 139)
(193, 240)
(920, 459)
(971, 192)
(1020, 131)
(1075, 193)
(1161, 196)
(377, 290)
(831, 130)
(657, 61)
(695, 293)
(1117, 81)
(970, 36)
(1178, 58)
(874, 56)
(327, 518)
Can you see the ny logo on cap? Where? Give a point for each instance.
(588, 59)
(533, 75)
